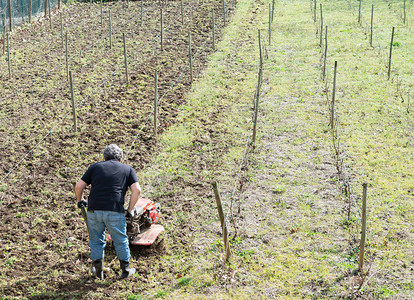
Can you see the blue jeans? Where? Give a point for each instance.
(116, 224)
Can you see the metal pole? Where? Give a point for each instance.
(125, 59)
(320, 41)
(391, 44)
(359, 12)
(61, 27)
(73, 102)
(224, 12)
(4, 33)
(364, 227)
(270, 23)
(142, 11)
(405, 13)
(101, 14)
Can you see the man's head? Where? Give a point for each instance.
(113, 152)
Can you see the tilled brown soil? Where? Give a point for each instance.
(43, 240)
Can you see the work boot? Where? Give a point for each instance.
(97, 268)
(126, 270)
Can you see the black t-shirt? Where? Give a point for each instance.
(110, 180)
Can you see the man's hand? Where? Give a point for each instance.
(82, 204)
(128, 214)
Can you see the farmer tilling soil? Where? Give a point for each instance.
(110, 180)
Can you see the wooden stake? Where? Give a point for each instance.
(162, 31)
(273, 9)
(67, 56)
(11, 16)
(256, 105)
(214, 29)
(182, 13)
(405, 13)
(326, 53)
(125, 59)
(110, 29)
(58, 4)
(45, 9)
(4, 33)
(190, 55)
(359, 12)
(155, 102)
(372, 22)
(222, 221)
(101, 14)
(314, 12)
(73, 102)
(50, 15)
(270, 23)
(321, 35)
(260, 49)
(333, 98)
(364, 227)
(30, 11)
(389, 62)
(61, 28)
(142, 11)
(224, 12)
(8, 56)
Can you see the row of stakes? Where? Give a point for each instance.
(332, 125)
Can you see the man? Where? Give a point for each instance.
(110, 180)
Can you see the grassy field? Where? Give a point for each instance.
(287, 206)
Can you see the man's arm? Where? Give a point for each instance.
(79, 187)
(135, 193)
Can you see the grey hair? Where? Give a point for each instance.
(113, 152)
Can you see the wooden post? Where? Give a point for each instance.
(10, 16)
(260, 49)
(364, 227)
(125, 59)
(162, 30)
(58, 4)
(50, 15)
(214, 29)
(224, 12)
(405, 13)
(155, 102)
(389, 62)
(333, 98)
(321, 35)
(8, 56)
(61, 28)
(110, 29)
(67, 56)
(101, 14)
(142, 11)
(314, 12)
(30, 11)
(4, 33)
(359, 12)
(222, 221)
(256, 105)
(372, 22)
(326, 53)
(270, 23)
(73, 102)
(190, 55)
(182, 13)
(45, 8)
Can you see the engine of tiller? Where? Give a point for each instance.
(144, 214)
